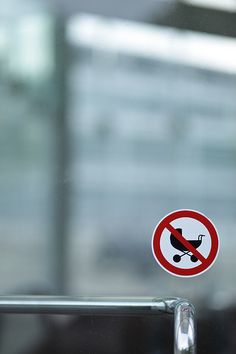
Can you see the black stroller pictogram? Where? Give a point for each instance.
(179, 246)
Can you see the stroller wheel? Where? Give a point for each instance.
(176, 258)
(194, 259)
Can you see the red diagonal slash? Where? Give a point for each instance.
(185, 243)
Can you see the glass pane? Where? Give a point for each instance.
(93, 334)
(152, 124)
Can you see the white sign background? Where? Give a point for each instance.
(191, 228)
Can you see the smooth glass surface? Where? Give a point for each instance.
(107, 125)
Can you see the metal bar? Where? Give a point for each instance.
(184, 328)
(82, 305)
(184, 324)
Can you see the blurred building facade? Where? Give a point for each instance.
(152, 131)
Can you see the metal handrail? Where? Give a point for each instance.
(184, 321)
(184, 328)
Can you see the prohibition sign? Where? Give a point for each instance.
(186, 237)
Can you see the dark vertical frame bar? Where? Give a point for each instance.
(61, 133)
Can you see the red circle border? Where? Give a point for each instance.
(157, 252)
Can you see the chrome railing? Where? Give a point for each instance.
(183, 311)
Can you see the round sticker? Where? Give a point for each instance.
(185, 243)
